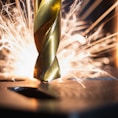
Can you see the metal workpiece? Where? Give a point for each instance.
(66, 99)
(47, 37)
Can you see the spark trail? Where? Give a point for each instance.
(76, 53)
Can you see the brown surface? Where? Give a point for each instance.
(69, 95)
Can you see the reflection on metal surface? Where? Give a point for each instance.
(68, 95)
(47, 36)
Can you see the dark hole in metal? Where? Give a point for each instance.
(11, 80)
(31, 92)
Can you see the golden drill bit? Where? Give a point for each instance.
(47, 36)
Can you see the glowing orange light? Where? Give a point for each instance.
(75, 53)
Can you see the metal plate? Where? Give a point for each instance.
(67, 98)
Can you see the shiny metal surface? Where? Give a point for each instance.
(47, 36)
(58, 97)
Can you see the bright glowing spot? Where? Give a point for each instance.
(76, 53)
(79, 38)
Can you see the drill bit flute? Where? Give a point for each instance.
(47, 36)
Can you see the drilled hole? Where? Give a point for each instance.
(10, 80)
(31, 92)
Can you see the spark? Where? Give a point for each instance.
(18, 50)
(76, 52)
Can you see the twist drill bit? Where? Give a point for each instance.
(47, 36)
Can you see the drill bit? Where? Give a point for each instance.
(47, 36)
